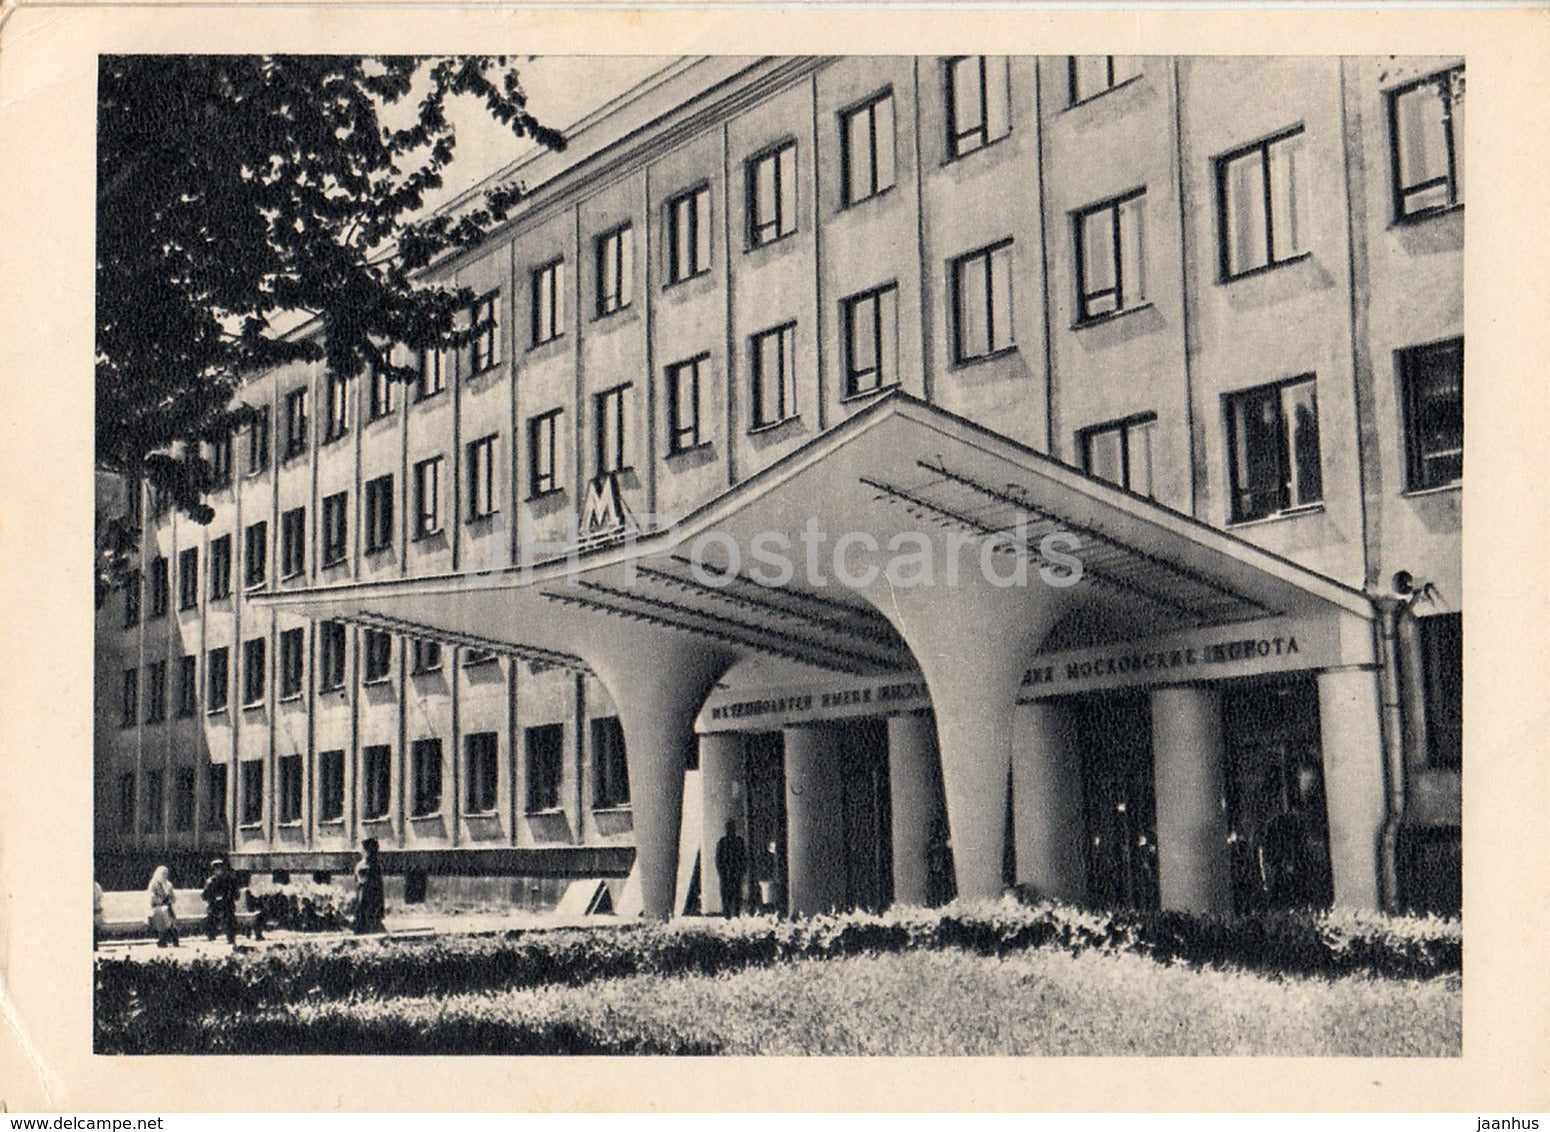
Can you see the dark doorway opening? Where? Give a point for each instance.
(868, 814)
(1115, 735)
(765, 801)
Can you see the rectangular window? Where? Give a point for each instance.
(338, 422)
(772, 195)
(1274, 438)
(253, 671)
(381, 399)
(188, 578)
(979, 102)
(483, 477)
(481, 772)
(331, 647)
(289, 767)
(609, 452)
(426, 656)
(1426, 125)
(184, 785)
(255, 554)
(132, 587)
(543, 433)
(252, 784)
(160, 586)
(683, 403)
(982, 302)
(336, 512)
(772, 356)
(545, 766)
(688, 234)
(218, 679)
(220, 460)
(615, 270)
(427, 497)
(153, 801)
(1091, 75)
(295, 423)
(258, 441)
(1433, 382)
(379, 655)
(871, 322)
(475, 657)
(610, 774)
(433, 374)
(1121, 452)
(548, 302)
(330, 785)
(129, 703)
(425, 774)
(293, 542)
(1111, 257)
(1262, 194)
(215, 793)
(293, 659)
(126, 802)
(376, 781)
(220, 567)
(484, 350)
(1442, 654)
(867, 149)
(188, 686)
(379, 514)
(156, 691)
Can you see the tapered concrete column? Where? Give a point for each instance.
(721, 779)
(915, 798)
(1353, 783)
(1047, 819)
(815, 820)
(1188, 752)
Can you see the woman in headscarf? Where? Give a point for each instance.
(163, 920)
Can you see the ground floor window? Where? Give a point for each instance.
(610, 774)
(1442, 655)
(153, 801)
(290, 789)
(545, 762)
(425, 773)
(184, 787)
(252, 792)
(1273, 435)
(215, 799)
(481, 772)
(330, 785)
(126, 802)
(376, 781)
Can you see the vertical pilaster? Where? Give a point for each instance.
(1188, 754)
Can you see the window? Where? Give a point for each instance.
(129, 704)
(481, 772)
(220, 461)
(376, 781)
(330, 785)
(258, 441)
(126, 802)
(380, 403)
(1262, 191)
(184, 784)
(1274, 437)
(188, 686)
(159, 587)
(982, 302)
(1442, 655)
(610, 775)
(132, 586)
(475, 657)
(979, 102)
(153, 801)
(615, 270)
(1433, 381)
(688, 234)
(1426, 123)
(427, 497)
(871, 322)
(772, 195)
(289, 767)
(293, 542)
(338, 422)
(683, 403)
(867, 149)
(433, 374)
(252, 791)
(255, 554)
(293, 655)
(295, 423)
(1111, 257)
(379, 514)
(1091, 75)
(379, 655)
(548, 302)
(215, 793)
(220, 567)
(484, 350)
(773, 365)
(483, 481)
(425, 774)
(253, 671)
(336, 511)
(427, 656)
(331, 645)
(156, 691)
(218, 679)
(608, 447)
(1121, 452)
(188, 578)
(543, 473)
(545, 765)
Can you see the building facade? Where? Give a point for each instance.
(1202, 315)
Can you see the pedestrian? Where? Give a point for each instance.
(220, 895)
(1293, 854)
(369, 901)
(163, 919)
(731, 865)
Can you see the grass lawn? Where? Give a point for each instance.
(1038, 1002)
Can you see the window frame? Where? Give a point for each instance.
(255, 567)
(188, 686)
(785, 336)
(427, 523)
(155, 798)
(255, 671)
(1450, 179)
(220, 567)
(761, 232)
(335, 535)
(425, 794)
(293, 543)
(541, 793)
(297, 423)
(484, 484)
(684, 248)
(380, 401)
(129, 698)
(288, 790)
(957, 137)
(156, 691)
(1262, 148)
(331, 774)
(875, 187)
(133, 584)
(333, 650)
(544, 440)
(613, 256)
(258, 441)
(432, 379)
(1118, 208)
(185, 795)
(377, 520)
(1287, 465)
(610, 764)
(1125, 427)
(217, 679)
(609, 421)
(885, 370)
(220, 460)
(1414, 364)
(188, 578)
(987, 253)
(337, 422)
(481, 772)
(484, 350)
(293, 663)
(425, 657)
(683, 438)
(378, 648)
(376, 775)
(1113, 82)
(160, 585)
(250, 793)
(547, 282)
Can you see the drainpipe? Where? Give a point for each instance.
(1390, 609)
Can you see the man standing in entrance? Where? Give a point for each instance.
(731, 865)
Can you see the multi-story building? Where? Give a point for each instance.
(1202, 315)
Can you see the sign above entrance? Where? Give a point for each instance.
(767, 709)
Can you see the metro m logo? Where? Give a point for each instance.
(603, 514)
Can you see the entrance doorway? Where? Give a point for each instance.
(1115, 736)
(868, 814)
(765, 817)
